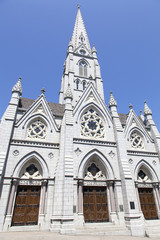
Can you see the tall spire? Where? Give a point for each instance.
(79, 35)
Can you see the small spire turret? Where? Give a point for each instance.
(147, 110)
(17, 87)
(112, 101)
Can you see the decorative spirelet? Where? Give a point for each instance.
(112, 101)
(17, 87)
(147, 110)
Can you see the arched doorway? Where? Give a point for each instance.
(95, 201)
(27, 201)
(147, 194)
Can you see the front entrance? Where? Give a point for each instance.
(147, 203)
(26, 206)
(95, 205)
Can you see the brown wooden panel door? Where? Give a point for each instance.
(26, 206)
(147, 203)
(95, 205)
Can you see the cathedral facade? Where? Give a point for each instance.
(70, 166)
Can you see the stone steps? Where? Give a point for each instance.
(103, 229)
(152, 228)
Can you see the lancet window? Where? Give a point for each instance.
(83, 68)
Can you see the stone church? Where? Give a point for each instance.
(78, 166)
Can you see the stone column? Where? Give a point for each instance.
(13, 188)
(112, 200)
(44, 184)
(138, 200)
(80, 197)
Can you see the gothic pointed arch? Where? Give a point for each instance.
(144, 172)
(96, 165)
(34, 164)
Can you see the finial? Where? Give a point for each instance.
(130, 106)
(147, 110)
(78, 5)
(94, 49)
(112, 101)
(17, 87)
(43, 91)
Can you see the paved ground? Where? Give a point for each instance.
(56, 236)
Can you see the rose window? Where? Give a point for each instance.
(136, 140)
(92, 125)
(37, 129)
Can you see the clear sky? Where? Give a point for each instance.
(34, 35)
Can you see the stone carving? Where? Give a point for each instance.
(78, 151)
(136, 140)
(16, 152)
(142, 177)
(37, 129)
(94, 173)
(111, 154)
(130, 161)
(31, 172)
(154, 162)
(40, 109)
(68, 93)
(50, 155)
(92, 125)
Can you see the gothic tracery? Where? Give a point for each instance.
(92, 125)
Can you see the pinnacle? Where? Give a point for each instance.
(94, 49)
(112, 101)
(147, 110)
(17, 87)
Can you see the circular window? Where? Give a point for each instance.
(136, 140)
(92, 125)
(83, 52)
(37, 129)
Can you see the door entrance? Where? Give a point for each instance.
(147, 203)
(95, 206)
(26, 206)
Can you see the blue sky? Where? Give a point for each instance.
(34, 35)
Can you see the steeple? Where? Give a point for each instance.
(81, 66)
(79, 35)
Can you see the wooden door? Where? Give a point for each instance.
(26, 206)
(147, 203)
(95, 205)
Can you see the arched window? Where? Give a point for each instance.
(136, 140)
(83, 68)
(37, 129)
(92, 124)
(84, 85)
(77, 84)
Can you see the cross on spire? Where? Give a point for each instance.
(43, 91)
